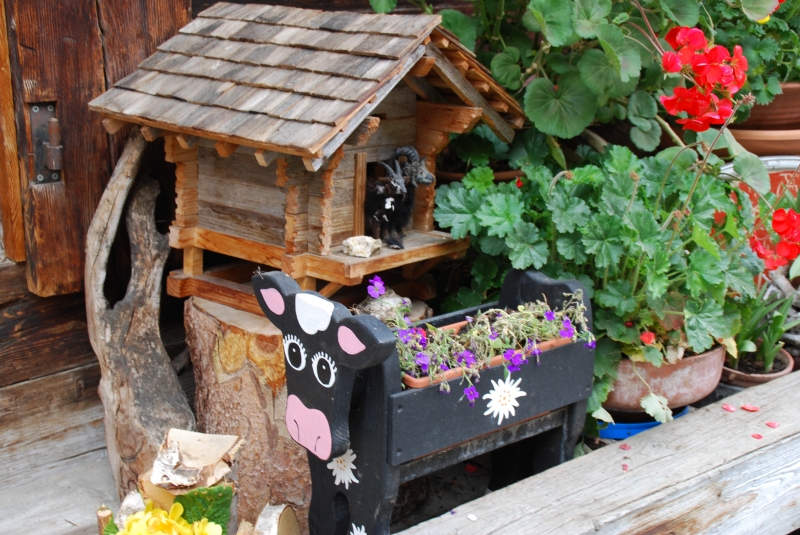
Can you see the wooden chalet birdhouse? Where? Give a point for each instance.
(275, 116)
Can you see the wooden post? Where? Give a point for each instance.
(359, 193)
(193, 261)
(141, 395)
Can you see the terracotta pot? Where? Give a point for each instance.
(684, 383)
(769, 142)
(422, 382)
(783, 113)
(502, 176)
(735, 377)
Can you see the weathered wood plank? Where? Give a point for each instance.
(446, 117)
(469, 94)
(241, 223)
(359, 193)
(703, 473)
(400, 102)
(254, 251)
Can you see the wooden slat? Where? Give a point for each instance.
(235, 295)
(10, 181)
(210, 240)
(447, 118)
(464, 89)
(359, 193)
(672, 479)
(363, 132)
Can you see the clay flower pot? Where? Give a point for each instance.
(773, 129)
(689, 380)
(735, 377)
(454, 373)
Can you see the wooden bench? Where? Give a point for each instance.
(703, 473)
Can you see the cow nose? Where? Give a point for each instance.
(308, 427)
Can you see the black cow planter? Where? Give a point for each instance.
(365, 435)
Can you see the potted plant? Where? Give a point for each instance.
(760, 356)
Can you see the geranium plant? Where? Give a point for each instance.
(428, 351)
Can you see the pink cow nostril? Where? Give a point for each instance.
(311, 429)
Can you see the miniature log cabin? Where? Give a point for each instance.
(274, 117)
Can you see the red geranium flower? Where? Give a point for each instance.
(670, 62)
(787, 250)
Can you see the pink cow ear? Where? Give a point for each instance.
(349, 341)
(274, 300)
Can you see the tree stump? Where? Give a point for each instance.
(241, 389)
(141, 395)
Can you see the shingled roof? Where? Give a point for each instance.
(290, 80)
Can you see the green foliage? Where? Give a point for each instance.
(111, 528)
(563, 111)
(589, 14)
(506, 69)
(213, 503)
(479, 178)
(656, 406)
(383, 6)
(554, 20)
(461, 25)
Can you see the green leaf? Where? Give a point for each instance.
(461, 25)
(603, 415)
(527, 247)
(111, 528)
(602, 239)
(563, 112)
(740, 280)
(704, 322)
(383, 6)
(701, 238)
(758, 9)
(600, 390)
(794, 271)
(684, 12)
(704, 274)
(622, 56)
(456, 209)
(648, 234)
(484, 271)
(656, 280)
(492, 245)
(479, 178)
(646, 139)
(656, 406)
(752, 171)
(747, 346)
(468, 297)
(568, 212)
(606, 359)
(570, 247)
(528, 148)
(589, 14)
(213, 503)
(734, 147)
(499, 213)
(617, 295)
(506, 69)
(602, 79)
(554, 18)
(530, 23)
(642, 105)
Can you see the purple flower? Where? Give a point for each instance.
(591, 343)
(407, 320)
(472, 394)
(535, 351)
(404, 335)
(469, 319)
(376, 287)
(493, 335)
(550, 315)
(515, 360)
(467, 357)
(567, 331)
(444, 367)
(423, 361)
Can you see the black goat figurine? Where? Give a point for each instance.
(389, 201)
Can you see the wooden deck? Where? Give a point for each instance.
(703, 473)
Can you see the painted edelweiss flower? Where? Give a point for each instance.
(503, 398)
(358, 531)
(343, 467)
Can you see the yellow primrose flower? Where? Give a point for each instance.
(204, 527)
(169, 523)
(764, 20)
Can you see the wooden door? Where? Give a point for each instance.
(63, 53)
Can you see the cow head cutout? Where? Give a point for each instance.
(324, 347)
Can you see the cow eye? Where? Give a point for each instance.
(324, 369)
(294, 351)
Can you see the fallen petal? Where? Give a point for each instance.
(472, 517)
(729, 408)
(773, 424)
(756, 436)
(624, 447)
(750, 408)
(624, 467)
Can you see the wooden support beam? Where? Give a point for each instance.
(193, 261)
(359, 193)
(186, 141)
(363, 132)
(423, 88)
(265, 157)
(225, 149)
(439, 40)
(671, 479)
(498, 106)
(329, 289)
(447, 117)
(113, 126)
(151, 133)
(307, 283)
(516, 121)
(462, 87)
(261, 253)
(11, 183)
(423, 67)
